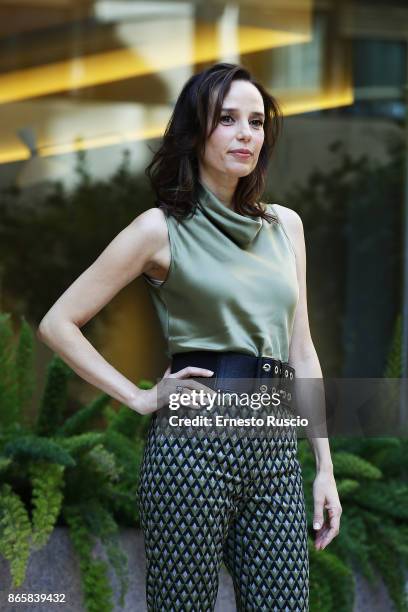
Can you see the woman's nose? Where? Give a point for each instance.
(244, 131)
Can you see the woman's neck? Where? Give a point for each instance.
(223, 190)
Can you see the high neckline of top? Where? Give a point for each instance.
(242, 229)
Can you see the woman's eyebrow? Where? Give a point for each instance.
(252, 113)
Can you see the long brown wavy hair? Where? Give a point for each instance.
(173, 171)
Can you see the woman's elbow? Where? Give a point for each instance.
(50, 327)
(42, 329)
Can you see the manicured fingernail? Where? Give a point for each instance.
(316, 525)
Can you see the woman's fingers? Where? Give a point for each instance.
(198, 399)
(323, 539)
(334, 519)
(329, 530)
(190, 371)
(185, 376)
(320, 535)
(190, 383)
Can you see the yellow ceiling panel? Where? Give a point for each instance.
(147, 58)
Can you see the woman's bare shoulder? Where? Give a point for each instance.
(152, 223)
(292, 225)
(288, 215)
(152, 218)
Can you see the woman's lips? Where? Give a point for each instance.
(240, 155)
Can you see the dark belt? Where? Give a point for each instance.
(265, 372)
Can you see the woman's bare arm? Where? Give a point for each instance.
(136, 249)
(303, 357)
(143, 246)
(302, 353)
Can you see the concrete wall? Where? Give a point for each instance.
(55, 569)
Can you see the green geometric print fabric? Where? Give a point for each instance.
(204, 501)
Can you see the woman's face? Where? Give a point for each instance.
(240, 127)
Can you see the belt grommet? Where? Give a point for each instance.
(263, 388)
(266, 367)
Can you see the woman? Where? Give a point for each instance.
(227, 275)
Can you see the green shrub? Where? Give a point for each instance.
(371, 477)
(80, 470)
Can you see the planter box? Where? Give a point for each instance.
(55, 569)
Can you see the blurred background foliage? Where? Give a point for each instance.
(353, 233)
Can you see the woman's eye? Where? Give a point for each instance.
(257, 121)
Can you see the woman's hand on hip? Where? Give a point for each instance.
(325, 495)
(181, 382)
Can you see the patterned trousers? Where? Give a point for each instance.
(240, 501)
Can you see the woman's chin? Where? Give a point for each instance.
(238, 170)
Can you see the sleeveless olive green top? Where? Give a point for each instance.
(232, 283)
